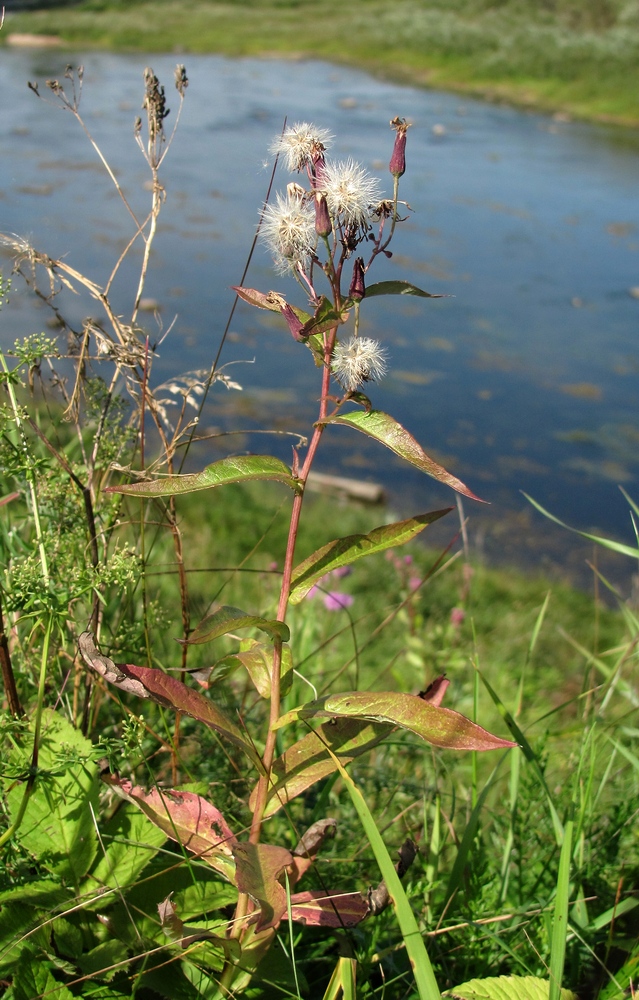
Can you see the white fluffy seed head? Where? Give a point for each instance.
(301, 144)
(358, 360)
(351, 192)
(288, 230)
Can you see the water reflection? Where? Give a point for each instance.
(524, 378)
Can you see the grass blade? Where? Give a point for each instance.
(560, 919)
(422, 969)
(529, 754)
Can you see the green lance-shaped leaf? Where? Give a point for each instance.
(240, 469)
(343, 551)
(324, 318)
(227, 619)
(439, 726)
(385, 429)
(257, 658)
(146, 682)
(505, 988)
(309, 760)
(399, 288)
(313, 757)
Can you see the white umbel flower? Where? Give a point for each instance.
(358, 360)
(288, 229)
(351, 192)
(301, 144)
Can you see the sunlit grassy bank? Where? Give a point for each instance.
(576, 57)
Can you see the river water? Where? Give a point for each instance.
(523, 378)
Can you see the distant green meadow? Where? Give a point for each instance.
(576, 57)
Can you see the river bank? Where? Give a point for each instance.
(580, 60)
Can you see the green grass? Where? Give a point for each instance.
(574, 56)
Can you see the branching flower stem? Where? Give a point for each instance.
(269, 749)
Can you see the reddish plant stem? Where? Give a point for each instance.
(269, 749)
(242, 907)
(11, 691)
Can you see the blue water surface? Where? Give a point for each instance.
(523, 378)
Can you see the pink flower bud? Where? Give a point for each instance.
(397, 164)
(323, 224)
(294, 323)
(457, 616)
(357, 291)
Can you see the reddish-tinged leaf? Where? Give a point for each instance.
(344, 551)
(186, 818)
(227, 619)
(310, 843)
(238, 469)
(434, 693)
(169, 920)
(389, 432)
(309, 760)
(439, 726)
(268, 300)
(258, 870)
(164, 689)
(319, 908)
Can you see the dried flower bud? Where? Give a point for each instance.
(154, 105)
(181, 79)
(397, 164)
(294, 322)
(323, 224)
(357, 291)
(319, 166)
(295, 190)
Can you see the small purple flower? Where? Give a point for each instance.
(334, 601)
(414, 583)
(341, 572)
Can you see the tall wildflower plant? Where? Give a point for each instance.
(331, 229)
(330, 232)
